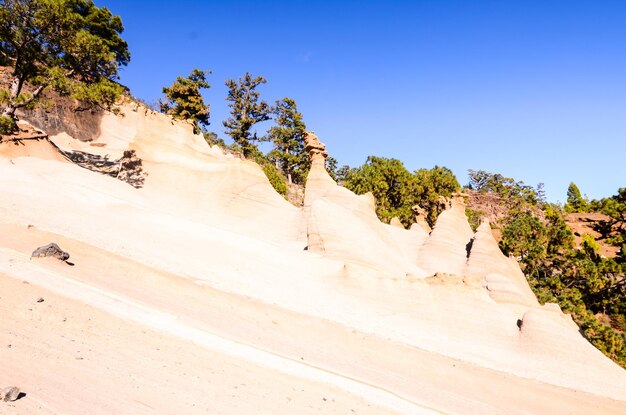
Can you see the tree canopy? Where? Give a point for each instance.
(184, 101)
(515, 193)
(288, 139)
(432, 184)
(575, 200)
(397, 190)
(581, 280)
(390, 182)
(246, 110)
(69, 45)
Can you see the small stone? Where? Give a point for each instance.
(40, 300)
(9, 394)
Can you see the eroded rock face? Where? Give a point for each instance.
(315, 148)
(504, 279)
(446, 249)
(128, 168)
(64, 115)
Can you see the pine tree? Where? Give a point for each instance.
(288, 138)
(390, 182)
(69, 45)
(431, 184)
(246, 110)
(184, 101)
(575, 201)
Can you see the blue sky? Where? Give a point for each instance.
(534, 90)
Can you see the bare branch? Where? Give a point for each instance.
(36, 94)
(8, 57)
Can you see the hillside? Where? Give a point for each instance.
(491, 207)
(587, 223)
(196, 288)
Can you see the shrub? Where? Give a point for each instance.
(7, 125)
(277, 182)
(474, 217)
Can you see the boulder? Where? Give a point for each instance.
(10, 394)
(52, 250)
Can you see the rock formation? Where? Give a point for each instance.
(200, 279)
(447, 248)
(420, 218)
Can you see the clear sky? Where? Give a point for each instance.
(534, 90)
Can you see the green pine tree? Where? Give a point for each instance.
(431, 185)
(575, 201)
(71, 46)
(288, 137)
(184, 101)
(246, 110)
(392, 185)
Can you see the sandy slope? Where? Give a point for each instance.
(245, 330)
(207, 264)
(91, 362)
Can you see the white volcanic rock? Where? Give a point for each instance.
(199, 284)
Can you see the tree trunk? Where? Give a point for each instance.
(9, 110)
(14, 89)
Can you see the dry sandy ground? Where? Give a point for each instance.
(71, 358)
(91, 362)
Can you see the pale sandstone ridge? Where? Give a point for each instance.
(447, 248)
(505, 280)
(204, 290)
(343, 225)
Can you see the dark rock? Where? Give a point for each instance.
(52, 250)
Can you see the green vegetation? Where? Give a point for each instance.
(246, 111)
(431, 185)
(474, 217)
(575, 201)
(397, 190)
(516, 196)
(614, 228)
(390, 182)
(276, 180)
(585, 284)
(286, 162)
(7, 125)
(331, 168)
(288, 138)
(71, 46)
(184, 101)
(525, 237)
(213, 140)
